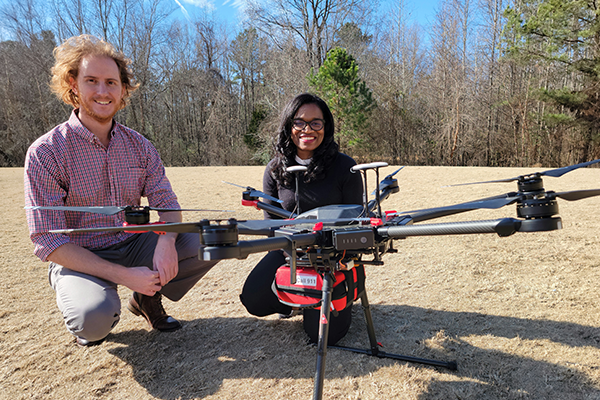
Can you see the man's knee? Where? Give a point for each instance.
(93, 322)
(187, 245)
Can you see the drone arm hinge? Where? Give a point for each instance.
(376, 222)
(250, 203)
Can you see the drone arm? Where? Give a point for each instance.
(503, 227)
(280, 212)
(244, 248)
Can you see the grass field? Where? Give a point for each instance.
(520, 315)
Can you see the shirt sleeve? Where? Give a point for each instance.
(43, 188)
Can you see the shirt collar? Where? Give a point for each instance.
(81, 130)
(303, 162)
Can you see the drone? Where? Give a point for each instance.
(330, 238)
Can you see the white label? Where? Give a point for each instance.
(306, 280)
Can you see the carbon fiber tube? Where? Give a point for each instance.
(245, 248)
(275, 210)
(503, 227)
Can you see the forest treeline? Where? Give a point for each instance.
(488, 83)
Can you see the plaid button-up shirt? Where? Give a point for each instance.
(69, 166)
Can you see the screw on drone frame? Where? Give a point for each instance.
(296, 169)
(363, 169)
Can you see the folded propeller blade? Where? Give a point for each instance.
(577, 194)
(551, 172)
(110, 210)
(179, 227)
(563, 170)
(187, 209)
(245, 227)
(438, 212)
(256, 193)
(387, 180)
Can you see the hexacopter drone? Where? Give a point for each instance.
(327, 240)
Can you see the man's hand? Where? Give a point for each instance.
(143, 280)
(165, 260)
(139, 279)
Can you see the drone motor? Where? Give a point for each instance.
(219, 234)
(530, 184)
(137, 215)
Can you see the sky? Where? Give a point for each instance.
(420, 11)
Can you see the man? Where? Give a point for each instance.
(91, 160)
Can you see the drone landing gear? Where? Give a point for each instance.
(373, 351)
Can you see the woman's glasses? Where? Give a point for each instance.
(315, 124)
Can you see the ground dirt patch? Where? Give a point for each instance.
(520, 315)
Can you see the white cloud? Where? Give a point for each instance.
(206, 4)
(237, 4)
(183, 10)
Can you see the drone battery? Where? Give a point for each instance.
(307, 292)
(353, 239)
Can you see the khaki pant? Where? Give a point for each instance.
(91, 306)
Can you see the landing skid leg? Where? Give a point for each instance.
(374, 351)
(323, 335)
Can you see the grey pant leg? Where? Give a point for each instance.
(90, 306)
(140, 252)
(191, 269)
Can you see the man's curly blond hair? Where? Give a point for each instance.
(68, 60)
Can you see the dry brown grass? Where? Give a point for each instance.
(520, 315)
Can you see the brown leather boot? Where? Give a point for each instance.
(152, 309)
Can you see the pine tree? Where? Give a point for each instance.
(348, 97)
(566, 35)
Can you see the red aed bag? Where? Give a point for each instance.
(307, 291)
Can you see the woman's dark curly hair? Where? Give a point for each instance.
(285, 149)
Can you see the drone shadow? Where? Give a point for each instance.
(196, 361)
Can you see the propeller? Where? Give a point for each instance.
(111, 210)
(387, 181)
(494, 202)
(500, 201)
(246, 226)
(555, 173)
(255, 193)
(575, 194)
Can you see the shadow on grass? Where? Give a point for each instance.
(195, 361)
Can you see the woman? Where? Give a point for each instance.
(306, 137)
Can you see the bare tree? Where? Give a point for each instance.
(394, 71)
(24, 19)
(313, 22)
